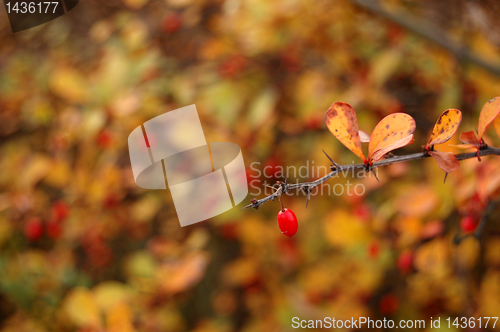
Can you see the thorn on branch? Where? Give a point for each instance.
(334, 164)
(445, 176)
(307, 191)
(283, 185)
(369, 168)
(280, 187)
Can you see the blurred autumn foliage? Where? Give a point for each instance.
(84, 249)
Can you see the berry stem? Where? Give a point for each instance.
(281, 203)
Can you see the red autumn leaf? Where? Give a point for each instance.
(470, 138)
(445, 160)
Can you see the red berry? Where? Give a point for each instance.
(172, 23)
(388, 304)
(362, 211)
(111, 201)
(60, 210)
(313, 123)
(230, 231)
(287, 221)
(468, 224)
(104, 139)
(405, 262)
(54, 229)
(232, 66)
(373, 250)
(33, 229)
(291, 59)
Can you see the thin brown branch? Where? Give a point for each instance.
(430, 32)
(336, 169)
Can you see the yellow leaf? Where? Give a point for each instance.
(110, 293)
(445, 127)
(120, 318)
(496, 125)
(489, 301)
(82, 308)
(384, 66)
(419, 202)
(69, 84)
(342, 122)
(183, 274)
(394, 131)
(135, 4)
(240, 272)
(145, 209)
(262, 108)
(38, 167)
(343, 229)
(488, 114)
(433, 257)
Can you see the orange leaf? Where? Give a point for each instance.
(465, 146)
(445, 127)
(488, 114)
(470, 137)
(394, 131)
(446, 160)
(496, 124)
(342, 122)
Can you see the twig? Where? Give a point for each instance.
(432, 33)
(336, 169)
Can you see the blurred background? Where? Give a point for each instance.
(82, 248)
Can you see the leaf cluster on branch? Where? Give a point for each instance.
(393, 132)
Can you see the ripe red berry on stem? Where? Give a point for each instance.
(287, 221)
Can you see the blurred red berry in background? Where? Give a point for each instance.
(374, 250)
(405, 262)
(33, 229)
(59, 211)
(172, 23)
(468, 224)
(388, 304)
(54, 229)
(104, 139)
(232, 66)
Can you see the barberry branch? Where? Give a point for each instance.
(336, 169)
